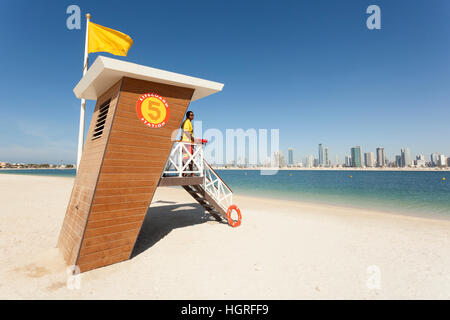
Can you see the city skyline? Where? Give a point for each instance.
(322, 158)
(369, 158)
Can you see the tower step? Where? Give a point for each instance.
(207, 202)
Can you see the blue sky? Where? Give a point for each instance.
(310, 68)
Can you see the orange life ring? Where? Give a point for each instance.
(231, 222)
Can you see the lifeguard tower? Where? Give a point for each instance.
(129, 152)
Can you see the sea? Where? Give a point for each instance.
(422, 193)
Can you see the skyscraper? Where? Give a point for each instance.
(442, 161)
(278, 159)
(326, 158)
(356, 157)
(290, 156)
(316, 162)
(398, 161)
(369, 159)
(309, 161)
(434, 159)
(381, 158)
(406, 157)
(420, 160)
(348, 161)
(320, 154)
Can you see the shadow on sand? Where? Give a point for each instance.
(161, 220)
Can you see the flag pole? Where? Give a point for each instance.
(83, 101)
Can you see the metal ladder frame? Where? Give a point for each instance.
(213, 194)
(217, 188)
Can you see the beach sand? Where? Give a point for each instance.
(282, 250)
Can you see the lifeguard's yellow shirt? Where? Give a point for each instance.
(187, 126)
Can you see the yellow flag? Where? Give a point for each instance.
(108, 40)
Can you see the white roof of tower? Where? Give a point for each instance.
(105, 72)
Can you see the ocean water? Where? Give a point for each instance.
(42, 172)
(409, 192)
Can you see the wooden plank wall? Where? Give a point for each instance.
(82, 195)
(129, 173)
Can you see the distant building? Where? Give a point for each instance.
(316, 163)
(406, 157)
(348, 161)
(369, 159)
(420, 161)
(278, 159)
(398, 161)
(266, 162)
(381, 157)
(434, 159)
(326, 158)
(309, 161)
(321, 155)
(290, 156)
(356, 157)
(442, 161)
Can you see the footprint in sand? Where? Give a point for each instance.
(33, 271)
(56, 285)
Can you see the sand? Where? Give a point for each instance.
(283, 250)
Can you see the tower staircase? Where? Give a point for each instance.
(198, 178)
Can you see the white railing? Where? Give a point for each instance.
(217, 188)
(178, 165)
(181, 162)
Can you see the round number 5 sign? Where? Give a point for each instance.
(153, 110)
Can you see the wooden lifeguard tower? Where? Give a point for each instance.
(129, 152)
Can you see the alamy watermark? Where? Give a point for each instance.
(74, 19)
(374, 20)
(249, 148)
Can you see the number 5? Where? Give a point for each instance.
(154, 109)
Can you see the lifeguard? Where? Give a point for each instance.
(187, 136)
